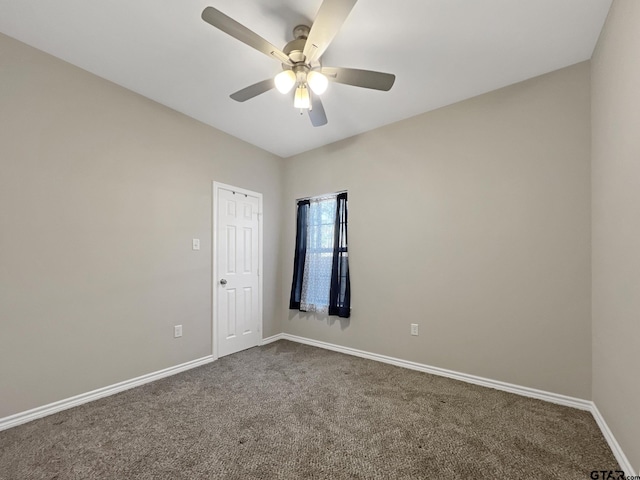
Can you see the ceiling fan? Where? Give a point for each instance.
(300, 58)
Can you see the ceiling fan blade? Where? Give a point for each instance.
(316, 114)
(253, 90)
(360, 78)
(240, 32)
(329, 19)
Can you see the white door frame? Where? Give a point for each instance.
(214, 281)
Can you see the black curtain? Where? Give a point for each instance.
(300, 254)
(340, 294)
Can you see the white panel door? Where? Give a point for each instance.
(238, 293)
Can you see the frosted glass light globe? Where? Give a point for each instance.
(317, 82)
(285, 81)
(301, 99)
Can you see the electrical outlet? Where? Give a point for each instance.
(414, 329)
(177, 331)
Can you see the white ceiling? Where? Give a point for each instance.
(442, 51)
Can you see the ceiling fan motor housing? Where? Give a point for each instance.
(295, 47)
(301, 31)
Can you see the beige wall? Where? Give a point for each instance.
(474, 222)
(101, 192)
(616, 225)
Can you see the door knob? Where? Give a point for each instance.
(223, 282)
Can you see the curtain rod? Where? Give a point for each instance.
(325, 195)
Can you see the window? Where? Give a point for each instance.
(321, 265)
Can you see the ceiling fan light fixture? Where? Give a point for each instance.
(285, 81)
(301, 59)
(317, 82)
(301, 100)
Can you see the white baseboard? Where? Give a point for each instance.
(51, 408)
(622, 459)
(442, 372)
(273, 338)
(556, 398)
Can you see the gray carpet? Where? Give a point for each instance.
(289, 411)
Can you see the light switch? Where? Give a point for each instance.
(196, 244)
